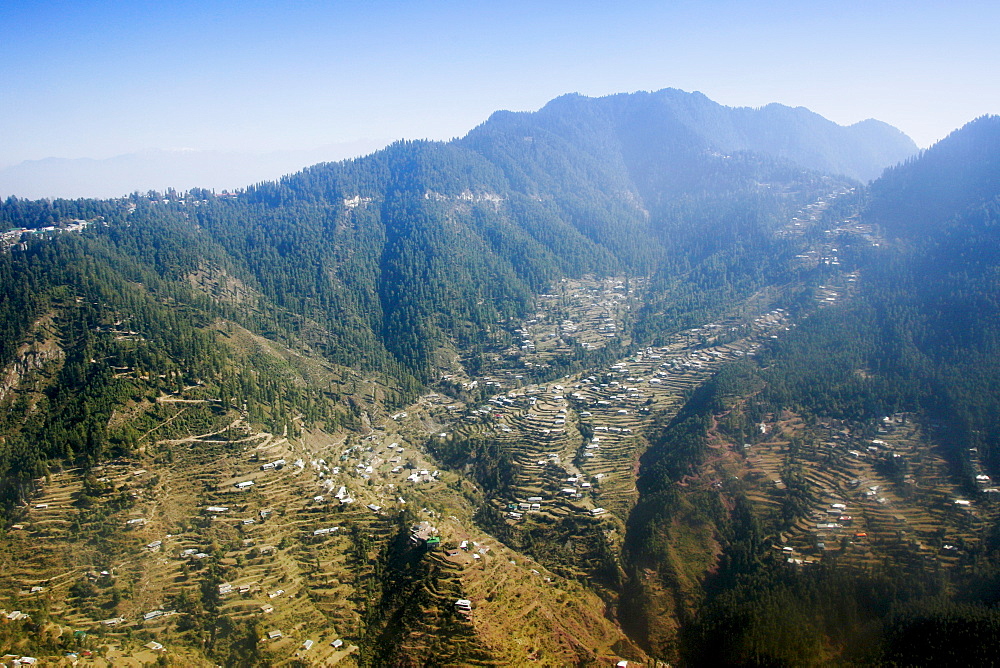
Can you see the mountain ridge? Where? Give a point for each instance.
(746, 128)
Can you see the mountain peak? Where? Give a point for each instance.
(796, 134)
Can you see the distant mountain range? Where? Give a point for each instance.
(859, 151)
(160, 169)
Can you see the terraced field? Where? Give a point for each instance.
(301, 543)
(274, 534)
(575, 442)
(871, 498)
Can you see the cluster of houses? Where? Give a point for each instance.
(597, 305)
(540, 422)
(12, 238)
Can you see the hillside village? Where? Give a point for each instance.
(288, 535)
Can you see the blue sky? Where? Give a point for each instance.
(97, 79)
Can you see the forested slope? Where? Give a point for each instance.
(389, 256)
(815, 426)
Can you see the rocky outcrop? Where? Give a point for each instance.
(30, 358)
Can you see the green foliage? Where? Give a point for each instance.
(387, 264)
(940, 632)
(489, 464)
(920, 196)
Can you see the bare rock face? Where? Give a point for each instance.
(31, 357)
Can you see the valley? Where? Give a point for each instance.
(636, 380)
(292, 539)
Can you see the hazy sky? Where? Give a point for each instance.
(86, 78)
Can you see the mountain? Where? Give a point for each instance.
(957, 174)
(798, 135)
(945, 207)
(633, 378)
(863, 429)
(580, 186)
